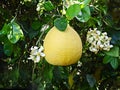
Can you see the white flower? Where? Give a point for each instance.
(63, 12)
(38, 8)
(101, 46)
(36, 53)
(98, 32)
(104, 34)
(98, 41)
(79, 64)
(40, 51)
(93, 49)
(90, 39)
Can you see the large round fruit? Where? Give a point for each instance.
(62, 47)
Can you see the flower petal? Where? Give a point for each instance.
(37, 59)
(42, 54)
(41, 48)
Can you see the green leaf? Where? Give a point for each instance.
(1, 86)
(48, 5)
(108, 20)
(40, 86)
(60, 23)
(84, 14)
(33, 33)
(48, 72)
(14, 75)
(114, 52)
(85, 3)
(36, 25)
(15, 33)
(91, 80)
(107, 59)
(115, 35)
(114, 63)
(4, 30)
(73, 11)
(8, 48)
(17, 51)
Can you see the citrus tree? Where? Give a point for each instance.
(60, 44)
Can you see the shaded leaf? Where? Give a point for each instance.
(60, 23)
(40, 87)
(48, 5)
(36, 25)
(91, 80)
(114, 63)
(115, 37)
(14, 75)
(17, 51)
(107, 59)
(1, 86)
(33, 33)
(8, 48)
(48, 72)
(108, 20)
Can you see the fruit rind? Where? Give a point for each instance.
(62, 48)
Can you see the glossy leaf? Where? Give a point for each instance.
(15, 33)
(84, 14)
(60, 23)
(48, 5)
(73, 11)
(113, 52)
(8, 48)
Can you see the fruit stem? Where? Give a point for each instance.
(34, 66)
(33, 76)
(38, 41)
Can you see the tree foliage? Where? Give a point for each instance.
(24, 23)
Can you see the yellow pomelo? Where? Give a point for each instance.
(62, 47)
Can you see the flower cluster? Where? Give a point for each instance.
(40, 7)
(36, 53)
(79, 64)
(98, 41)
